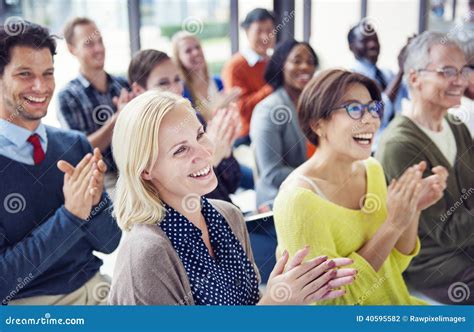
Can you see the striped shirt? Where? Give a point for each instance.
(84, 108)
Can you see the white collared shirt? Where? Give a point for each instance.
(14, 144)
(251, 56)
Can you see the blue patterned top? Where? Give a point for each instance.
(227, 279)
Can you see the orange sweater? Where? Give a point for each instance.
(238, 73)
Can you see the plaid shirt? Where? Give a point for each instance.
(82, 107)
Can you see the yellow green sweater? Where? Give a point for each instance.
(304, 218)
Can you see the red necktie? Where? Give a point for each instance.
(38, 153)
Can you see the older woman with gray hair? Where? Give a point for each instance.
(437, 74)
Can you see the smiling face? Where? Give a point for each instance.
(261, 37)
(299, 67)
(27, 86)
(165, 77)
(433, 89)
(184, 162)
(190, 54)
(365, 46)
(88, 47)
(346, 136)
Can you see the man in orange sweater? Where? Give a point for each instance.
(246, 68)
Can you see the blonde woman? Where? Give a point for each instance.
(181, 248)
(206, 93)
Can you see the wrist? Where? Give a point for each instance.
(76, 213)
(264, 300)
(393, 227)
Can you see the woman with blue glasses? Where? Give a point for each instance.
(338, 203)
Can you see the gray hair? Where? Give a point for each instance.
(468, 48)
(418, 51)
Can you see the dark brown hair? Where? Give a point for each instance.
(69, 27)
(23, 33)
(142, 65)
(322, 94)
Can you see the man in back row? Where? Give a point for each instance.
(88, 103)
(50, 222)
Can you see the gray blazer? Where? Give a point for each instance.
(149, 271)
(277, 140)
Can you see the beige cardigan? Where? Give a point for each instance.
(148, 269)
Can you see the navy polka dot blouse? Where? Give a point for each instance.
(226, 279)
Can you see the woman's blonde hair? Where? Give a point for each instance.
(186, 73)
(135, 149)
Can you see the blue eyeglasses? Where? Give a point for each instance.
(357, 110)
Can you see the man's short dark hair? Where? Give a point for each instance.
(361, 27)
(72, 24)
(351, 36)
(23, 33)
(258, 15)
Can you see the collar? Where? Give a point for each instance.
(364, 65)
(286, 98)
(177, 226)
(19, 135)
(251, 56)
(85, 82)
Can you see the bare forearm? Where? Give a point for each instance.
(407, 241)
(378, 248)
(102, 138)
